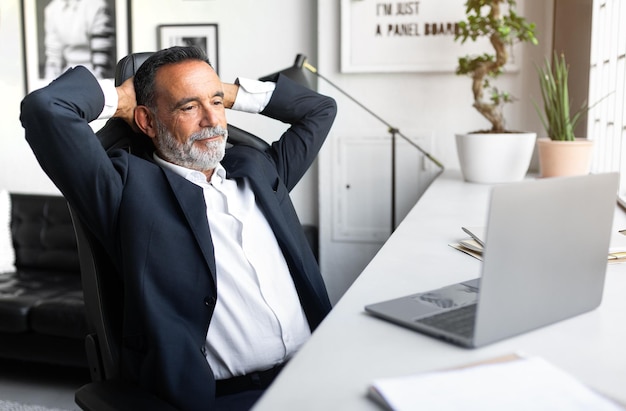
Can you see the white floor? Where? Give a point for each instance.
(43, 385)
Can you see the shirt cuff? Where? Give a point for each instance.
(253, 95)
(110, 98)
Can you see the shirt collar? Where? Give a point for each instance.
(195, 176)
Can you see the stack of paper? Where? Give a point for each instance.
(519, 384)
(474, 244)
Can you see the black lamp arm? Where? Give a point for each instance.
(301, 61)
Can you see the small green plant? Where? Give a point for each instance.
(486, 19)
(556, 117)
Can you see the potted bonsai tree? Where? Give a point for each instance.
(560, 153)
(496, 154)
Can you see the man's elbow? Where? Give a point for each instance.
(332, 107)
(33, 107)
(329, 109)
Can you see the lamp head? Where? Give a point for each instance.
(295, 72)
(300, 60)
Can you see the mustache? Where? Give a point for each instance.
(208, 133)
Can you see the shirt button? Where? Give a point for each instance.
(210, 301)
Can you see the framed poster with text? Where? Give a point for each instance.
(404, 36)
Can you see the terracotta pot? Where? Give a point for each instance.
(564, 158)
(495, 158)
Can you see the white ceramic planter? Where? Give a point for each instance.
(495, 158)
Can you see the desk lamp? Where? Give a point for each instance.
(297, 74)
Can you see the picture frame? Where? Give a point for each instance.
(202, 35)
(48, 51)
(395, 37)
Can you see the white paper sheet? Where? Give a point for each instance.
(523, 384)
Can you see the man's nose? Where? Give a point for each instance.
(210, 117)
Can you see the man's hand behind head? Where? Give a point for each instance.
(127, 103)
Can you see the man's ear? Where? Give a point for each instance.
(145, 121)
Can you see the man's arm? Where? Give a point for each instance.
(56, 122)
(310, 115)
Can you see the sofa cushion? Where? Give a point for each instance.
(20, 291)
(43, 233)
(63, 315)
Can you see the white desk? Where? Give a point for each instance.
(350, 349)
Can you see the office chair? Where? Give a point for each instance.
(102, 283)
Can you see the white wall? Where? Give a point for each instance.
(438, 104)
(18, 169)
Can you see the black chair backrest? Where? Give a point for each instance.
(127, 66)
(103, 295)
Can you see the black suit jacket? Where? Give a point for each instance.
(154, 224)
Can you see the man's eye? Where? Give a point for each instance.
(187, 108)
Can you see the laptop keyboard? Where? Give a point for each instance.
(458, 321)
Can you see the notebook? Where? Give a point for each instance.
(544, 261)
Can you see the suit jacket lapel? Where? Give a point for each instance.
(191, 201)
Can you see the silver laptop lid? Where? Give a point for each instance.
(550, 239)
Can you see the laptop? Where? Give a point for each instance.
(544, 261)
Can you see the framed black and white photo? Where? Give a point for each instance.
(201, 35)
(59, 34)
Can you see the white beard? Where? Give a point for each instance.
(187, 154)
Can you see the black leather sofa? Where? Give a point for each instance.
(42, 314)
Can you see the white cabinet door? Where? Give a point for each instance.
(356, 198)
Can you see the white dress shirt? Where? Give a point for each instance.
(258, 321)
